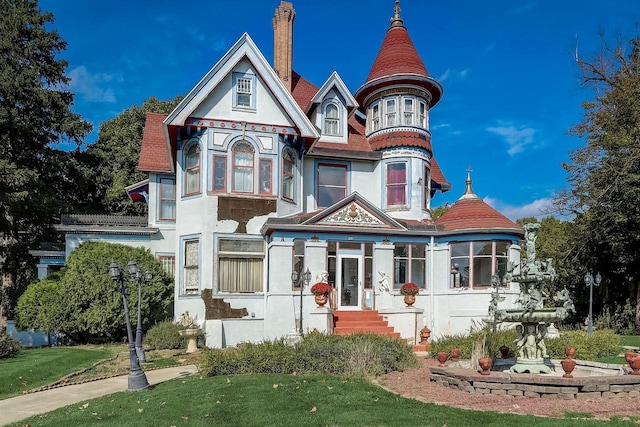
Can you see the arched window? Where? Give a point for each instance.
(242, 167)
(192, 170)
(288, 173)
(331, 120)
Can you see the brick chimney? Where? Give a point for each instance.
(283, 42)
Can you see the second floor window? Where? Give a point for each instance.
(332, 184)
(242, 154)
(396, 184)
(192, 170)
(167, 199)
(390, 110)
(287, 175)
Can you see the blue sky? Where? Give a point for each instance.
(511, 85)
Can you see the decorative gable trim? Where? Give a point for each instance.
(243, 48)
(354, 210)
(334, 81)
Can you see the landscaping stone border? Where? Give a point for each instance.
(537, 386)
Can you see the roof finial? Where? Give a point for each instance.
(468, 192)
(396, 21)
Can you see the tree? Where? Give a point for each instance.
(604, 175)
(92, 309)
(35, 115)
(39, 307)
(114, 157)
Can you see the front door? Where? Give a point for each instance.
(349, 282)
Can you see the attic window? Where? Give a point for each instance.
(244, 90)
(331, 120)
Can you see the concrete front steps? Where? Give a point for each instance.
(366, 321)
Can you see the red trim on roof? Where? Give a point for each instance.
(401, 139)
(154, 156)
(474, 214)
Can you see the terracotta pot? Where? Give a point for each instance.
(504, 351)
(321, 299)
(568, 365)
(634, 363)
(455, 354)
(409, 299)
(629, 355)
(442, 357)
(485, 364)
(569, 352)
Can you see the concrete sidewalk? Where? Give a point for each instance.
(20, 407)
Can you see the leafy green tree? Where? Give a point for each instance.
(439, 211)
(39, 307)
(604, 175)
(92, 309)
(113, 158)
(35, 117)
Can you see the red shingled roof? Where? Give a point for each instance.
(302, 90)
(400, 139)
(356, 140)
(397, 55)
(438, 176)
(154, 156)
(474, 214)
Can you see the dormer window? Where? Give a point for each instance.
(331, 120)
(244, 86)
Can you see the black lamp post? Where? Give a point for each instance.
(590, 281)
(137, 377)
(300, 281)
(137, 277)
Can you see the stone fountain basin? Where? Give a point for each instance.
(591, 380)
(549, 315)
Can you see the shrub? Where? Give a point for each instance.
(9, 347)
(165, 335)
(601, 343)
(358, 355)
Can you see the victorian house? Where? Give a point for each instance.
(262, 183)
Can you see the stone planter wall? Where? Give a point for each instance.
(537, 386)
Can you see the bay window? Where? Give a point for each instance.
(473, 263)
(242, 167)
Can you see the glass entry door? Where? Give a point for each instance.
(349, 277)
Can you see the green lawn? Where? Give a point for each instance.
(630, 340)
(279, 400)
(37, 367)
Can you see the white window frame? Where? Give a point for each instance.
(410, 112)
(244, 84)
(391, 113)
(189, 268)
(288, 157)
(332, 125)
(163, 202)
(375, 116)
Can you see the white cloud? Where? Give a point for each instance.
(538, 208)
(454, 74)
(516, 137)
(91, 86)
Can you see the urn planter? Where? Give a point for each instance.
(569, 352)
(634, 363)
(568, 365)
(455, 354)
(485, 364)
(442, 357)
(409, 299)
(321, 299)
